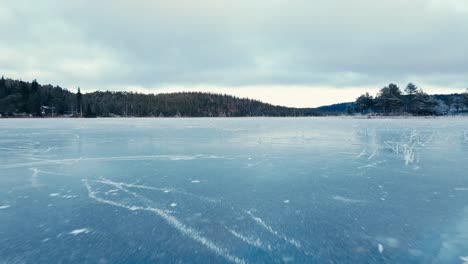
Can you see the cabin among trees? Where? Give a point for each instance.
(47, 110)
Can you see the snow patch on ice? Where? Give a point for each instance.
(380, 248)
(111, 191)
(54, 194)
(34, 179)
(4, 206)
(346, 200)
(80, 231)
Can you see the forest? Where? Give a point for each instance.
(19, 98)
(31, 99)
(391, 100)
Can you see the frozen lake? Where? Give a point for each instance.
(241, 190)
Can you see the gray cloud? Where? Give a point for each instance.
(106, 44)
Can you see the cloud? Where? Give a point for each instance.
(276, 43)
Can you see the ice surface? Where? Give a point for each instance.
(244, 190)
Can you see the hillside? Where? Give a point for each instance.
(19, 98)
(340, 108)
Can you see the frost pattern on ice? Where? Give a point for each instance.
(119, 158)
(172, 221)
(148, 205)
(35, 183)
(122, 185)
(260, 222)
(373, 154)
(256, 242)
(408, 149)
(364, 152)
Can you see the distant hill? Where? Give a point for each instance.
(446, 98)
(336, 108)
(19, 98)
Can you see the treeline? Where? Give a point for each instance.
(24, 98)
(19, 98)
(413, 101)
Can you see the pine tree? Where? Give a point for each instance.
(389, 99)
(3, 91)
(79, 108)
(465, 98)
(411, 90)
(364, 103)
(34, 104)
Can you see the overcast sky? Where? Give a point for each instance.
(288, 52)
